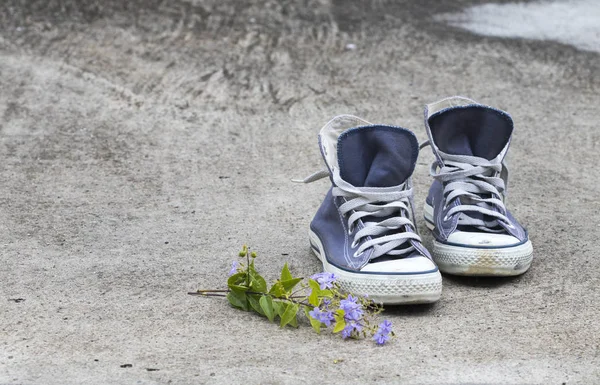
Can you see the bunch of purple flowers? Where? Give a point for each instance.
(321, 298)
(350, 312)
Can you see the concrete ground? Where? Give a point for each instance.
(143, 142)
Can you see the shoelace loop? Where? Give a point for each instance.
(366, 204)
(477, 183)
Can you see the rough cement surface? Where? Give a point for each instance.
(143, 142)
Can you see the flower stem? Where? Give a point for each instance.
(219, 293)
(200, 291)
(208, 294)
(292, 295)
(248, 261)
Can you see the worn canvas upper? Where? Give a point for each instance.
(471, 130)
(373, 157)
(460, 126)
(377, 156)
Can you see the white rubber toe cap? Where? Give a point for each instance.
(482, 239)
(405, 265)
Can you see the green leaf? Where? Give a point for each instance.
(266, 304)
(315, 291)
(339, 325)
(238, 288)
(314, 323)
(340, 322)
(257, 283)
(290, 313)
(236, 279)
(289, 284)
(234, 301)
(313, 298)
(294, 322)
(237, 298)
(278, 308)
(285, 273)
(326, 293)
(314, 286)
(253, 300)
(277, 289)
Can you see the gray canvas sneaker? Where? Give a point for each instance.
(474, 233)
(364, 231)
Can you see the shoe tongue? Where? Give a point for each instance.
(473, 130)
(377, 156)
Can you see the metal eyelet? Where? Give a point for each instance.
(354, 244)
(357, 255)
(350, 230)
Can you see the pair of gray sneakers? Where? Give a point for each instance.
(365, 233)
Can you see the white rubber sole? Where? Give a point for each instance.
(472, 261)
(393, 289)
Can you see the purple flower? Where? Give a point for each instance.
(347, 332)
(381, 339)
(234, 267)
(385, 326)
(352, 310)
(383, 333)
(325, 317)
(325, 280)
(351, 327)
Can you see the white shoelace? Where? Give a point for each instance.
(470, 178)
(374, 202)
